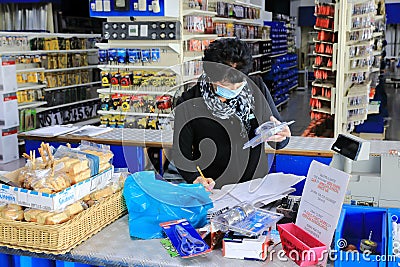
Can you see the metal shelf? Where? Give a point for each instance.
(34, 104)
(199, 12)
(321, 98)
(282, 103)
(73, 68)
(45, 34)
(31, 70)
(31, 87)
(66, 105)
(133, 92)
(322, 110)
(277, 55)
(324, 85)
(39, 52)
(189, 36)
(71, 86)
(122, 66)
(104, 112)
(238, 21)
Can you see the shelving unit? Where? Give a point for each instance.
(52, 70)
(179, 59)
(340, 96)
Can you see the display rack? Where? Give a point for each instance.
(151, 86)
(55, 74)
(340, 96)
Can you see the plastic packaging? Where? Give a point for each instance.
(151, 202)
(265, 131)
(245, 219)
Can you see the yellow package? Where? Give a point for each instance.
(32, 77)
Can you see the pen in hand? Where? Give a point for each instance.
(208, 183)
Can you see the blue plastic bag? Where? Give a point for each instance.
(151, 202)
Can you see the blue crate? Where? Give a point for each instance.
(355, 223)
(393, 216)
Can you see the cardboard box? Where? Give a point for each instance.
(246, 248)
(8, 74)
(8, 110)
(8, 145)
(52, 202)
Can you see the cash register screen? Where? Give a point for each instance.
(346, 147)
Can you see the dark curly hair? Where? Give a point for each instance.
(230, 52)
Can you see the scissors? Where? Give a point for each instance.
(189, 244)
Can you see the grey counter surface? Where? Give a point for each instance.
(114, 247)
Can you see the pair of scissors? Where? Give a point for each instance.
(188, 244)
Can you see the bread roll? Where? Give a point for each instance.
(73, 209)
(103, 156)
(80, 176)
(57, 218)
(77, 167)
(104, 166)
(14, 207)
(102, 193)
(30, 215)
(42, 216)
(15, 215)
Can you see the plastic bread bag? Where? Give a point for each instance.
(102, 151)
(266, 131)
(50, 180)
(79, 166)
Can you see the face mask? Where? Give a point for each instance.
(229, 94)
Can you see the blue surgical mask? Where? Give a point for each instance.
(227, 93)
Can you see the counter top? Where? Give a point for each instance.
(113, 247)
(305, 146)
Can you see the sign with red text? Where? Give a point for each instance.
(322, 200)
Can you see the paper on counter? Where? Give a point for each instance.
(52, 131)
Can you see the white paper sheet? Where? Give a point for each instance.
(52, 130)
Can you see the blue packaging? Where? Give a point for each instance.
(112, 55)
(185, 238)
(133, 55)
(121, 55)
(103, 57)
(155, 54)
(146, 55)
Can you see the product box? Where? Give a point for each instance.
(8, 145)
(8, 74)
(237, 246)
(52, 202)
(8, 110)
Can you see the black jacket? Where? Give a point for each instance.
(214, 144)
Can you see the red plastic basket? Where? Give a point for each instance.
(300, 246)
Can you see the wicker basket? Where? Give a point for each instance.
(60, 239)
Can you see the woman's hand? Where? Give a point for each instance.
(282, 135)
(208, 183)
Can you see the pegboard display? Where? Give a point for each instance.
(128, 8)
(143, 30)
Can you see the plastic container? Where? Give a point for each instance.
(356, 223)
(393, 216)
(299, 245)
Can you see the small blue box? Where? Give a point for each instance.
(355, 223)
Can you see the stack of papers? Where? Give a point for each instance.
(52, 131)
(90, 130)
(258, 192)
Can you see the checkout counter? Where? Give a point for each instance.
(113, 245)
